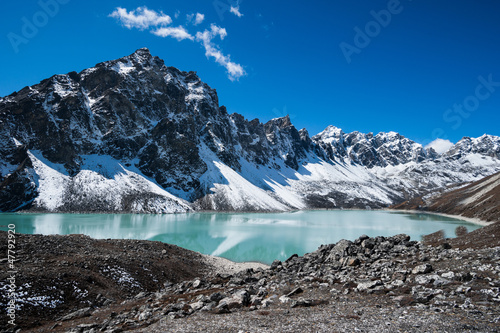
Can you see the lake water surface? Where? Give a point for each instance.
(239, 236)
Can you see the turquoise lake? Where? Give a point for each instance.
(239, 237)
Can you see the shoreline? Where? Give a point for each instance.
(476, 221)
(28, 212)
(226, 266)
(473, 220)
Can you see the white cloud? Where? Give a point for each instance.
(236, 11)
(195, 19)
(179, 33)
(440, 145)
(199, 18)
(158, 24)
(141, 18)
(234, 70)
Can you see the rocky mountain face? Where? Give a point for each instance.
(479, 199)
(133, 135)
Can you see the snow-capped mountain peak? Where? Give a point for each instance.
(133, 135)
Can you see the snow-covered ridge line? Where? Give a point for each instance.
(103, 184)
(135, 135)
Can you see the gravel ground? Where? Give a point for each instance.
(381, 284)
(346, 314)
(225, 266)
(60, 274)
(425, 302)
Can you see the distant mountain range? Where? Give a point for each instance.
(133, 135)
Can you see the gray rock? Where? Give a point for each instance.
(209, 307)
(222, 308)
(197, 305)
(142, 294)
(85, 312)
(368, 243)
(351, 262)
(340, 250)
(239, 299)
(145, 315)
(463, 289)
(401, 238)
(196, 283)
(86, 327)
(216, 297)
(368, 285)
(422, 269)
(268, 301)
(255, 300)
(448, 275)
(242, 297)
(296, 291)
(435, 279)
(360, 239)
(285, 299)
(301, 302)
(275, 264)
(422, 295)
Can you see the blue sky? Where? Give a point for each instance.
(424, 68)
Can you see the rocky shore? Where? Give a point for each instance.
(385, 284)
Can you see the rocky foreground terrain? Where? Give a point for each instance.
(385, 284)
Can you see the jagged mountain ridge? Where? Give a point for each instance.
(133, 135)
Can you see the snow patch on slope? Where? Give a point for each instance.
(232, 190)
(240, 193)
(490, 184)
(64, 88)
(52, 179)
(354, 181)
(123, 68)
(102, 184)
(196, 92)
